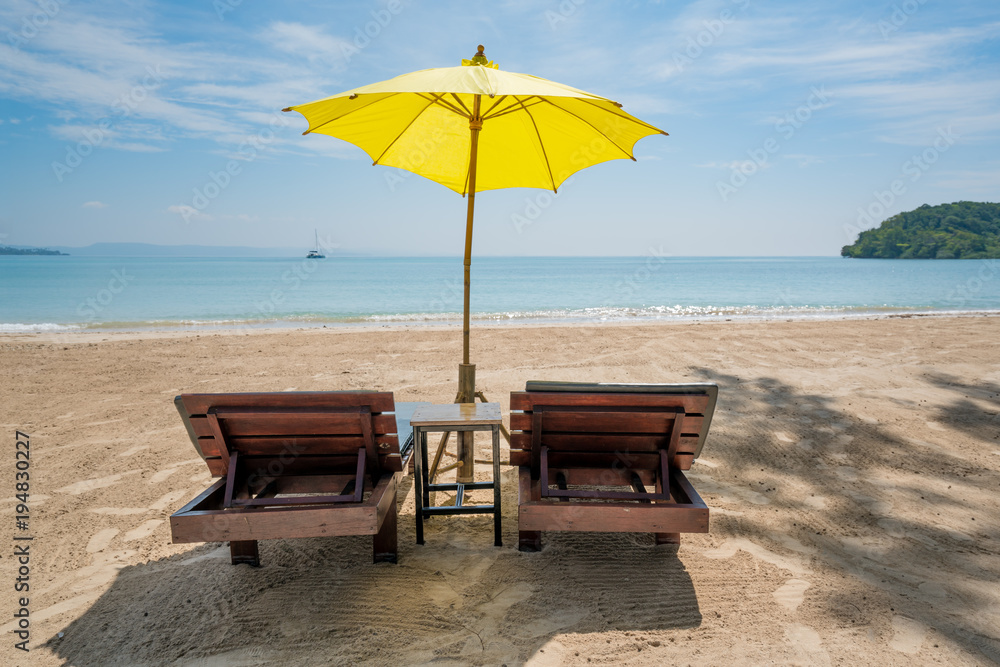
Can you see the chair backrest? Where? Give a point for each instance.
(294, 432)
(601, 425)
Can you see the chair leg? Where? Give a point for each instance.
(667, 538)
(244, 551)
(529, 540)
(384, 544)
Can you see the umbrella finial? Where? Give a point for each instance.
(480, 59)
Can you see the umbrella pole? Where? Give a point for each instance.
(467, 371)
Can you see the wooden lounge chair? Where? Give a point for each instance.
(604, 437)
(293, 464)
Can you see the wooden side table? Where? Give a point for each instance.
(455, 417)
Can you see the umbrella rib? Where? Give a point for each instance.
(494, 106)
(541, 144)
(402, 132)
(468, 114)
(440, 101)
(584, 120)
(514, 108)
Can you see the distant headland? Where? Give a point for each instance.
(9, 250)
(963, 230)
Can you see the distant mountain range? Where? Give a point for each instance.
(151, 250)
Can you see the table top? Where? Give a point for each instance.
(456, 414)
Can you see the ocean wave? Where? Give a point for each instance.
(676, 313)
(17, 327)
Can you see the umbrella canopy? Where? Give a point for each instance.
(475, 127)
(535, 133)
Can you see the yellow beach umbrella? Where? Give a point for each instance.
(476, 127)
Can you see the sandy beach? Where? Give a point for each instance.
(852, 471)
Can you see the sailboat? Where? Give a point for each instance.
(315, 253)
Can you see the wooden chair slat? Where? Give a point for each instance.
(521, 421)
(377, 401)
(692, 403)
(583, 442)
(384, 425)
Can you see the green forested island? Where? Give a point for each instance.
(7, 250)
(963, 230)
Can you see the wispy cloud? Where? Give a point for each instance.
(145, 92)
(94, 204)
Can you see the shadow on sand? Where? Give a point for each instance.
(317, 601)
(886, 516)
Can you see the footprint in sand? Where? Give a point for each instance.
(815, 502)
(908, 635)
(145, 529)
(846, 473)
(792, 593)
(119, 511)
(729, 548)
(97, 483)
(169, 500)
(808, 644)
(101, 540)
(170, 470)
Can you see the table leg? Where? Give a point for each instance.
(497, 538)
(426, 478)
(418, 481)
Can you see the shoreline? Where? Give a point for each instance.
(432, 324)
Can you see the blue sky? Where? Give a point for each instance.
(791, 125)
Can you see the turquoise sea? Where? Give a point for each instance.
(67, 293)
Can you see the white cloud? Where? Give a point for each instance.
(308, 41)
(94, 204)
(119, 74)
(804, 160)
(734, 165)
